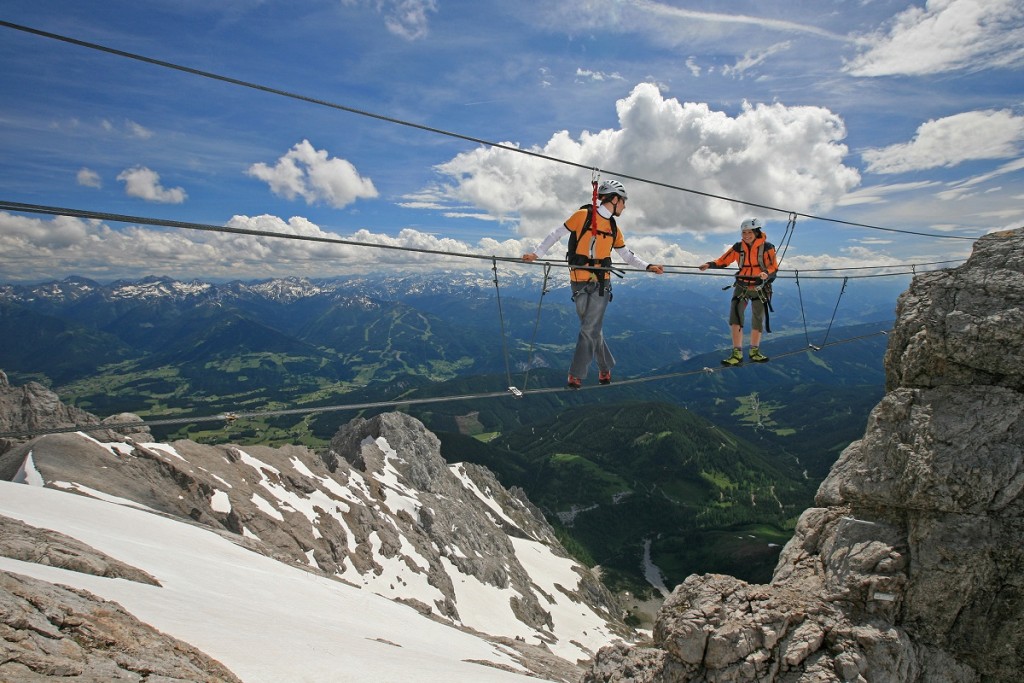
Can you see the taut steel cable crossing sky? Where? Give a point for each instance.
(440, 131)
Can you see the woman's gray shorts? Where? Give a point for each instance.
(738, 304)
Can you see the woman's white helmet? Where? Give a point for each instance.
(611, 187)
(751, 224)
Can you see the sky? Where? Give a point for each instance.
(270, 621)
(405, 122)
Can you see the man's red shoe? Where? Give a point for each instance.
(605, 377)
(573, 383)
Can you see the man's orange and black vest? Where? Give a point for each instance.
(591, 244)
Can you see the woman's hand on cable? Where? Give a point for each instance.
(656, 269)
(529, 258)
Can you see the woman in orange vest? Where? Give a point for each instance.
(593, 236)
(755, 258)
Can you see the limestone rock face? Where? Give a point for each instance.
(911, 566)
(50, 632)
(31, 407)
(34, 408)
(20, 541)
(962, 327)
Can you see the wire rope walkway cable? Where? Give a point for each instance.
(399, 403)
(440, 131)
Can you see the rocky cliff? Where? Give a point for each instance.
(911, 566)
(32, 407)
(380, 509)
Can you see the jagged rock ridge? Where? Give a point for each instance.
(909, 568)
(379, 509)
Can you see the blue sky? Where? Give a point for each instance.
(902, 115)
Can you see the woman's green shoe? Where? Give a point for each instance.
(735, 359)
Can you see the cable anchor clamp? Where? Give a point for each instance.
(515, 392)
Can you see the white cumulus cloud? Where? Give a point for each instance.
(945, 35)
(92, 248)
(409, 19)
(787, 157)
(589, 75)
(87, 177)
(137, 130)
(952, 140)
(969, 186)
(754, 58)
(315, 176)
(144, 183)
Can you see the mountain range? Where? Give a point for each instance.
(165, 349)
(577, 488)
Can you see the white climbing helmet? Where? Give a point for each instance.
(611, 187)
(751, 224)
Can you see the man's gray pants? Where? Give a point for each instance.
(590, 346)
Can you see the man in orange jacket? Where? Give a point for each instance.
(755, 257)
(593, 239)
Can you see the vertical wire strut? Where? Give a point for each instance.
(803, 315)
(841, 291)
(787, 237)
(501, 321)
(536, 326)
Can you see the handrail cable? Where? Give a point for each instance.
(395, 403)
(440, 131)
(892, 265)
(186, 225)
(53, 258)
